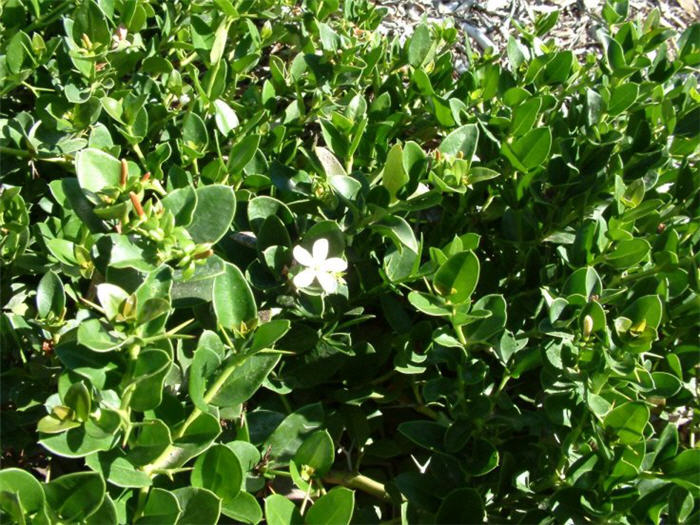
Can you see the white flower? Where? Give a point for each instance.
(318, 267)
(119, 37)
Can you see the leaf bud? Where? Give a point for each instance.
(587, 326)
(137, 204)
(87, 43)
(124, 173)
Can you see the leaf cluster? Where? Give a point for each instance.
(515, 338)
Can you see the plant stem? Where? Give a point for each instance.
(359, 482)
(504, 382)
(157, 464)
(306, 499)
(26, 154)
(49, 17)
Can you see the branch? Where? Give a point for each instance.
(359, 482)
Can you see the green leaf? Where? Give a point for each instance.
(226, 118)
(150, 369)
(628, 253)
(25, 488)
(317, 452)
(524, 116)
(245, 380)
(427, 434)
(79, 400)
(242, 153)
(181, 203)
(286, 439)
(106, 514)
(234, 304)
(647, 309)
(462, 140)
(268, 333)
(194, 132)
(429, 304)
(480, 174)
(483, 330)
(111, 298)
(161, 507)
(199, 506)
(202, 375)
(623, 96)
(148, 440)
(463, 505)
(73, 497)
(117, 470)
(456, 278)
(97, 336)
(398, 230)
(243, 508)
(280, 511)
(218, 470)
(336, 176)
(419, 45)
(558, 69)
(394, 176)
(531, 150)
(334, 508)
(331, 166)
(213, 214)
(683, 469)
(482, 459)
(93, 436)
(96, 170)
(219, 45)
(627, 422)
(50, 297)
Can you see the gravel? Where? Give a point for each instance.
(489, 23)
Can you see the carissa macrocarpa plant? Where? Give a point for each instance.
(259, 262)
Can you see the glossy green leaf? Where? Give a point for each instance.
(50, 297)
(627, 253)
(462, 505)
(335, 507)
(280, 511)
(419, 45)
(198, 506)
(233, 300)
(456, 278)
(162, 506)
(394, 176)
(218, 470)
(213, 213)
(73, 497)
(286, 439)
(462, 141)
(96, 170)
(243, 508)
(23, 486)
(317, 452)
(627, 422)
(531, 150)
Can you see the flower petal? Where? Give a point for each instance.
(320, 250)
(304, 278)
(303, 256)
(328, 282)
(334, 264)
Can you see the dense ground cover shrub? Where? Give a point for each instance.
(260, 263)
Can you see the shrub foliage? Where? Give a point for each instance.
(260, 262)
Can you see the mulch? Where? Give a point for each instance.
(489, 23)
